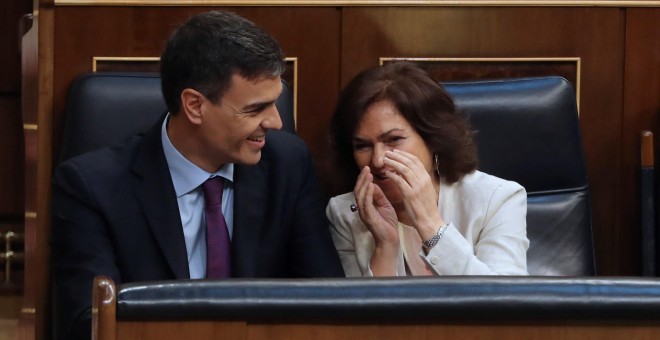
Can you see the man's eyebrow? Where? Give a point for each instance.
(256, 106)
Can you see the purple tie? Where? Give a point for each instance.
(218, 245)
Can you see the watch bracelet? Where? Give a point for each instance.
(428, 244)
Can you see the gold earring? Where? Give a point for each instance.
(435, 156)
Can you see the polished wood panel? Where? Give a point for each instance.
(462, 69)
(11, 156)
(8, 329)
(37, 101)
(467, 331)
(10, 58)
(594, 35)
(10, 307)
(29, 110)
(11, 152)
(484, 3)
(260, 329)
(136, 64)
(641, 107)
(11, 159)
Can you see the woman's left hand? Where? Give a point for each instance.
(417, 190)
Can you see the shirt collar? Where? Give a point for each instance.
(186, 176)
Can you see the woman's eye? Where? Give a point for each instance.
(359, 147)
(394, 139)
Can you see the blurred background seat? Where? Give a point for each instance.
(528, 131)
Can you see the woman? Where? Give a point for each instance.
(418, 206)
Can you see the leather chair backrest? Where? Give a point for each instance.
(105, 109)
(528, 132)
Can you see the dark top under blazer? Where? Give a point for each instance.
(115, 213)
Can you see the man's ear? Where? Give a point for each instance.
(192, 105)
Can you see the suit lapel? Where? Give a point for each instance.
(155, 192)
(250, 205)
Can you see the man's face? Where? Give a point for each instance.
(234, 130)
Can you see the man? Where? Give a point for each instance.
(139, 211)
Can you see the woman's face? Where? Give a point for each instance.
(383, 128)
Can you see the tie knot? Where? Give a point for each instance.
(212, 188)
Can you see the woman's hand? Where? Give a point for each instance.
(417, 190)
(380, 218)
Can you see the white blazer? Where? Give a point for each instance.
(487, 232)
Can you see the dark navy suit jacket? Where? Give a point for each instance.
(115, 213)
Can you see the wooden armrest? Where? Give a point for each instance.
(104, 309)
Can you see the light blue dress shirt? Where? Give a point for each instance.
(187, 179)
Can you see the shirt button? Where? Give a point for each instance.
(434, 260)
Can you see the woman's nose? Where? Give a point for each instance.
(378, 155)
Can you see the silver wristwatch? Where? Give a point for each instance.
(428, 244)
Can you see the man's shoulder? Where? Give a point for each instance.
(104, 161)
(277, 139)
(281, 145)
(285, 156)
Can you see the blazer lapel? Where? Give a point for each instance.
(155, 192)
(250, 205)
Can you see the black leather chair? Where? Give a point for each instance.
(528, 131)
(106, 108)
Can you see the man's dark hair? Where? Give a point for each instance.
(422, 101)
(207, 50)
